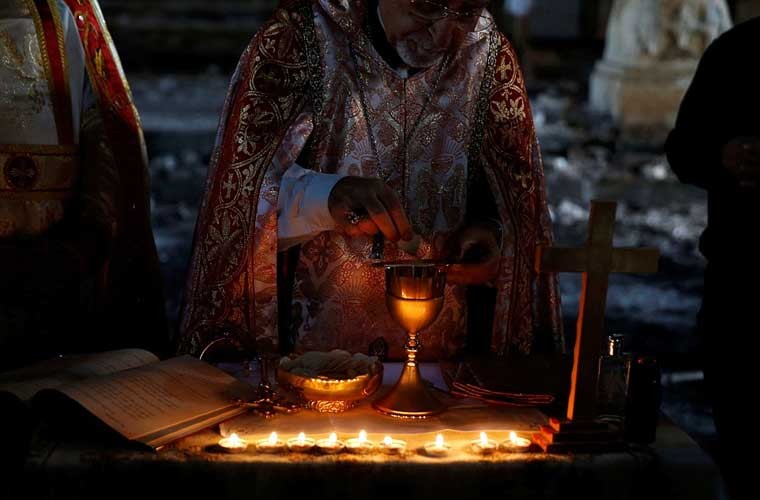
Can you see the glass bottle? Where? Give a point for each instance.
(612, 388)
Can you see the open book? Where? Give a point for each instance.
(145, 400)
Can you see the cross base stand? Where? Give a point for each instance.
(583, 436)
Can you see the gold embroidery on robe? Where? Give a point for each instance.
(338, 300)
(23, 78)
(35, 184)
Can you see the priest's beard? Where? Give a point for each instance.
(416, 50)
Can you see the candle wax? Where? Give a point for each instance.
(516, 443)
(270, 445)
(437, 448)
(330, 445)
(301, 443)
(484, 446)
(392, 446)
(233, 444)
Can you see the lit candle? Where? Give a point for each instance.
(272, 444)
(331, 444)
(515, 443)
(233, 444)
(360, 444)
(438, 448)
(391, 446)
(484, 446)
(301, 444)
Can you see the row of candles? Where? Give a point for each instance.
(361, 445)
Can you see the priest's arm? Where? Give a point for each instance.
(302, 206)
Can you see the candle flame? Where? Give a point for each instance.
(518, 441)
(301, 438)
(387, 440)
(483, 439)
(273, 438)
(362, 436)
(439, 440)
(333, 439)
(234, 439)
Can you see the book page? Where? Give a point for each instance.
(159, 402)
(26, 382)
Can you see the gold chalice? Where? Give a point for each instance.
(414, 296)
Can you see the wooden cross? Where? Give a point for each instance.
(596, 261)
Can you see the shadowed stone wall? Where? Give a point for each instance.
(183, 34)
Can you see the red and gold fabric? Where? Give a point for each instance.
(134, 290)
(37, 181)
(35, 185)
(297, 82)
(50, 37)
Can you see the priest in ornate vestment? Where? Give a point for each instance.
(348, 118)
(78, 265)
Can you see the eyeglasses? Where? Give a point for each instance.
(431, 11)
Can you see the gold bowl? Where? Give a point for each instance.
(332, 395)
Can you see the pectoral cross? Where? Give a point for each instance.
(595, 261)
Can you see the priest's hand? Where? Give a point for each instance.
(741, 156)
(476, 249)
(365, 206)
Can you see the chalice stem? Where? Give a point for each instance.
(410, 397)
(412, 347)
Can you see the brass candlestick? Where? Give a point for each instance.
(414, 296)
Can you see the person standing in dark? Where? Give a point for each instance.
(716, 145)
(79, 271)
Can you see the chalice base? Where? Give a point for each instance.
(411, 397)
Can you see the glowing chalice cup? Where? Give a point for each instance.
(414, 296)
